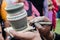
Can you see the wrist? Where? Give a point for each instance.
(8, 37)
(0, 32)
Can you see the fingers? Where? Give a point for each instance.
(38, 26)
(30, 18)
(37, 19)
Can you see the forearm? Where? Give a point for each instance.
(6, 24)
(0, 28)
(25, 35)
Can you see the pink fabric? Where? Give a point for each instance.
(34, 10)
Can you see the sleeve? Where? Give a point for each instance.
(35, 11)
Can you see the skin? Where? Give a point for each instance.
(20, 1)
(1, 37)
(46, 32)
(26, 35)
(45, 29)
(58, 1)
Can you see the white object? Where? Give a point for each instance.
(10, 28)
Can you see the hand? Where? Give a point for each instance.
(18, 1)
(26, 35)
(1, 37)
(7, 23)
(37, 19)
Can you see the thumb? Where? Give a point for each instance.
(14, 33)
(38, 25)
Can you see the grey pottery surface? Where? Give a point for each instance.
(14, 8)
(19, 21)
(19, 25)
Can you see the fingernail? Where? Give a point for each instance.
(37, 24)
